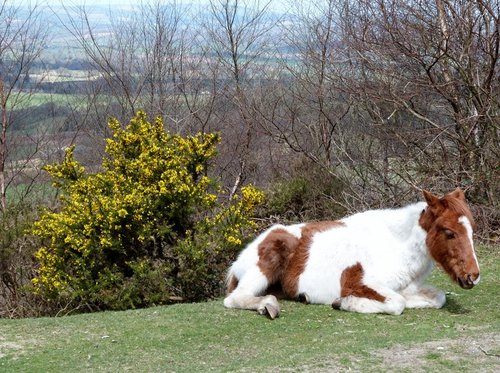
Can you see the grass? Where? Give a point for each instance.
(35, 99)
(205, 336)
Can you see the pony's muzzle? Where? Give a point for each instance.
(469, 281)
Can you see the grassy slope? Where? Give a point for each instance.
(199, 337)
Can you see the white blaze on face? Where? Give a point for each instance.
(468, 227)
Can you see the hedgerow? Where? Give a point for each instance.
(147, 229)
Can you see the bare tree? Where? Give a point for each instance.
(239, 33)
(428, 72)
(136, 56)
(309, 107)
(22, 39)
(308, 110)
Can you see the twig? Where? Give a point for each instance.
(487, 353)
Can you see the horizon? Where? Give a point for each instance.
(275, 5)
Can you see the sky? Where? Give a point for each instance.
(276, 5)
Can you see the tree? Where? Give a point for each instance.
(239, 33)
(429, 74)
(307, 110)
(150, 59)
(23, 35)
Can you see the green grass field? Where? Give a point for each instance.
(464, 335)
(34, 99)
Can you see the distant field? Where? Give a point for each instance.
(40, 98)
(65, 75)
(37, 192)
(463, 336)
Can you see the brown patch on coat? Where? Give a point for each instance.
(275, 252)
(351, 283)
(232, 284)
(297, 262)
(283, 257)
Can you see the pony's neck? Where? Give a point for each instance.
(413, 236)
(405, 224)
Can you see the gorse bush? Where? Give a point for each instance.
(146, 229)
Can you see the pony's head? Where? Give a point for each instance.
(449, 225)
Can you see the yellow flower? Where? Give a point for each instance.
(233, 240)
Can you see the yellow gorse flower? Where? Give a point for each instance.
(152, 190)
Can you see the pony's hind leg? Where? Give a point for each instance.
(248, 295)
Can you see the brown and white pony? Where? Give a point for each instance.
(371, 262)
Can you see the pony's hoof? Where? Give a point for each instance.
(269, 306)
(273, 311)
(337, 303)
(304, 298)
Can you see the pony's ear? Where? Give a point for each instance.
(457, 193)
(431, 199)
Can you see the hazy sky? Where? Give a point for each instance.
(278, 5)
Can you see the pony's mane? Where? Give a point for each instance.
(460, 207)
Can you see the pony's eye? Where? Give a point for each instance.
(449, 234)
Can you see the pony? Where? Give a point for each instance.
(375, 261)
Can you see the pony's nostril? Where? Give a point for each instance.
(466, 282)
(473, 279)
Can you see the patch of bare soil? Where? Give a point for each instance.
(481, 352)
(8, 347)
(478, 354)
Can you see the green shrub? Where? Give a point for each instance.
(288, 197)
(15, 258)
(146, 229)
(308, 194)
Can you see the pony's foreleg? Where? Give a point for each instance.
(247, 295)
(393, 303)
(358, 296)
(423, 297)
